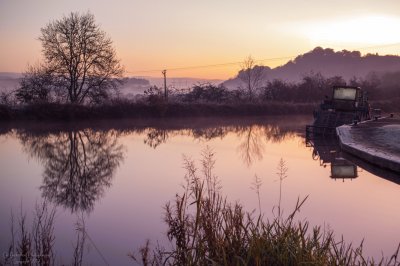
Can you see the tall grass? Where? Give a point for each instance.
(205, 229)
(35, 246)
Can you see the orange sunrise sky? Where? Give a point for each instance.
(154, 35)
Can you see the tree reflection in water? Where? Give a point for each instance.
(252, 137)
(78, 165)
(155, 137)
(251, 147)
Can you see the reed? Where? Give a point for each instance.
(205, 229)
(35, 246)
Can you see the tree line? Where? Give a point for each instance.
(80, 67)
(312, 88)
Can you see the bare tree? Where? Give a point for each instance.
(251, 74)
(81, 56)
(36, 85)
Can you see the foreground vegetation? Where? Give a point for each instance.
(205, 229)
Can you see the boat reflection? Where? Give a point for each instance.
(342, 168)
(343, 165)
(327, 151)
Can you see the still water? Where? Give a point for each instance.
(116, 176)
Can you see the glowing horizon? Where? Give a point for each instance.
(358, 31)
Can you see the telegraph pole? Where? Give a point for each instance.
(164, 72)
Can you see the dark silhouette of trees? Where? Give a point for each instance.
(311, 89)
(276, 90)
(252, 75)
(371, 84)
(78, 165)
(154, 95)
(80, 63)
(391, 84)
(207, 93)
(36, 86)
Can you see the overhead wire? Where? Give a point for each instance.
(240, 62)
(209, 66)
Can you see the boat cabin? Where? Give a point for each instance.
(348, 104)
(347, 98)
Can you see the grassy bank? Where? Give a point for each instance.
(123, 109)
(128, 109)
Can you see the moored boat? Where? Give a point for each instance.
(346, 105)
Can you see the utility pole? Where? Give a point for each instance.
(164, 72)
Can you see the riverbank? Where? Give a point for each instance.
(70, 112)
(375, 141)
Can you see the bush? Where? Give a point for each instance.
(154, 95)
(207, 93)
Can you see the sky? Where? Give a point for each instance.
(151, 35)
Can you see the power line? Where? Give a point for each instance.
(240, 62)
(209, 66)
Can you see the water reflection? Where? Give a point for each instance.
(209, 133)
(251, 148)
(252, 137)
(327, 151)
(377, 171)
(343, 165)
(155, 137)
(342, 168)
(65, 153)
(79, 160)
(78, 164)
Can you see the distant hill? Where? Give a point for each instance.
(347, 64)
(9, 81)
(10, 75)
